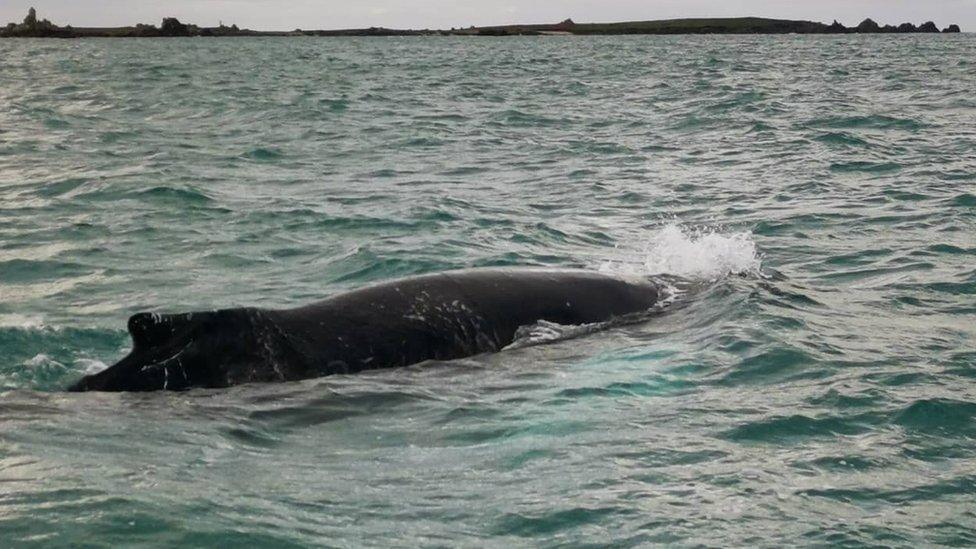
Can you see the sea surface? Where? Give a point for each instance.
(811, 199)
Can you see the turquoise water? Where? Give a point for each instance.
(813, 199)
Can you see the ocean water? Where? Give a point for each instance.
(812, 199)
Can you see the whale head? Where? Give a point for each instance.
(177, 352)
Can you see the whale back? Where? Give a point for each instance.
(149, 330)
(202, 349)
(440, 316)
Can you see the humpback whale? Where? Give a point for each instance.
(439, 316)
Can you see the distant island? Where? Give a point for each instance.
(31, 27)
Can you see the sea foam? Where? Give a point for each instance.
(697, 254)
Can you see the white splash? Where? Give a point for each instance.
(544, 331)
(698, 254)
(90, 366)
(40, 361)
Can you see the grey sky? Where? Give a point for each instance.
(316, 14)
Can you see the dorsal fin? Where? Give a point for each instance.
(150, 329)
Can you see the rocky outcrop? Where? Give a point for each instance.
(836, 27)
(32, 28)
(907, 27)
(928, 26)
(868, 25)
(952, 28)
(30, 22)
(172, 27)
(566, 25)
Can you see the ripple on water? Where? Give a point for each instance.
(25, 271)
(938, 417)
(843, 139)
(550, 522)
(867, 167)
(770, 366)
(878, 122)
(966, 200)
(660, 387)
(264, 155)
(163, 195)
(788, 429)
(335, 105)
(61, 187)
(951, 249)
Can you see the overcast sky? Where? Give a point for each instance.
(330, 14)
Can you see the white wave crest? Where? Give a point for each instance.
(90, 366)
(698, 254)
(21, 321)
(544, 331)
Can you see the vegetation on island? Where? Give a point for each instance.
(737, 25)
(172, 27)
(31, 27)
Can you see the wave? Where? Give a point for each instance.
(261, 154)
(44, 356)
(877, 122)
(21, 321)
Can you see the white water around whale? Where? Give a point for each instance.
(544, 331)
(677, 259)
(701, 254)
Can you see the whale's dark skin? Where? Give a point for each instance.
(431, 317)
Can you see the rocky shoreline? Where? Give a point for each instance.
(31, 27)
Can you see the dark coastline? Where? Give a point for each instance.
(31, 27)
